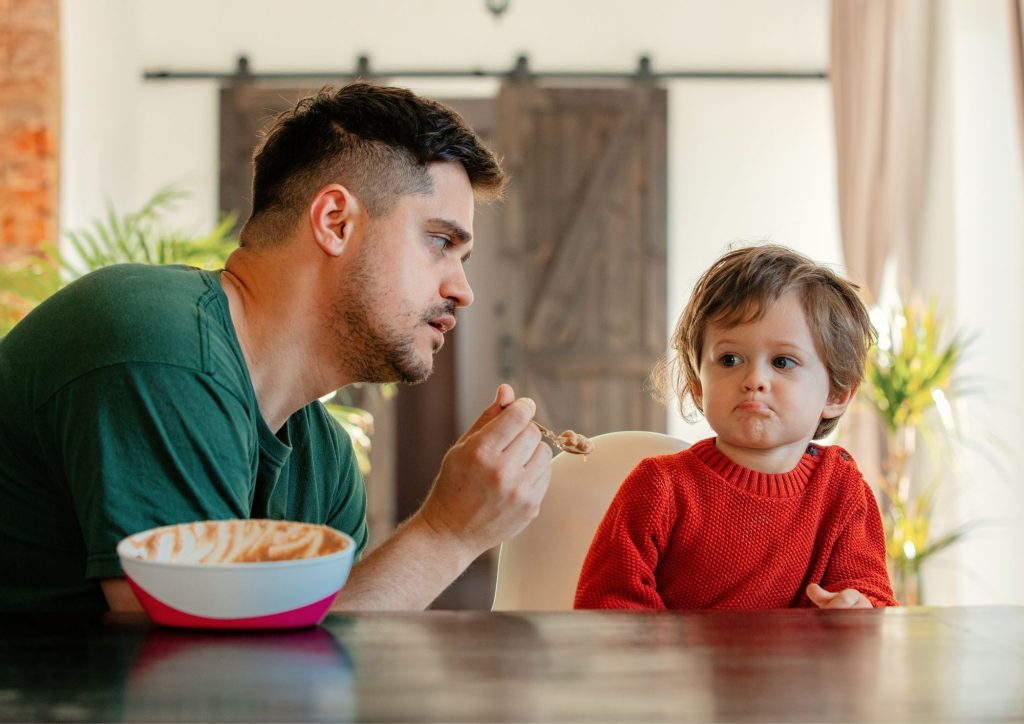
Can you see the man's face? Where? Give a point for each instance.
(406, 281)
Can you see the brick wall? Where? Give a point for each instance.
(29, 124)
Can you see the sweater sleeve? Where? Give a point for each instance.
(858, 556)
(619, 570)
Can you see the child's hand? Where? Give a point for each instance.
(847, 598)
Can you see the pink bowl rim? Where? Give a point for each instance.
(347, 551)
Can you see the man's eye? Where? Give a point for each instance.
(784, 363)
(441, 243)
(729, 360)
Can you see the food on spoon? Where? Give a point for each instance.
(572, 441)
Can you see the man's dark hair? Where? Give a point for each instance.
(377, 141)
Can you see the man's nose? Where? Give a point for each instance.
(456, 287)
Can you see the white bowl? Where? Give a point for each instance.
(189, 575)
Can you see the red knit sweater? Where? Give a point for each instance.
(696, 530)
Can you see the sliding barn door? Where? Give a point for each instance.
(584, 252)
(245, 112)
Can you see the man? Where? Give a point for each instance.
(140, 396)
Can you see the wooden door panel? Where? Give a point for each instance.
(245, 112)
(585, 245)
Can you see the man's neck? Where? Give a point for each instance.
(275, 324)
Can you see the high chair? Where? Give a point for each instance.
(538, 569)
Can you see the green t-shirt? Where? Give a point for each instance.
(126, 403)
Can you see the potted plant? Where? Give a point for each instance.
(140, 237)
(910, 380)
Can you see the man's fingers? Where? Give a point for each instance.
(505, 396)
(520, 449)
(502, 399)
(500, 431)
(539, 467)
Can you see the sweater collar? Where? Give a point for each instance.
(777, 485)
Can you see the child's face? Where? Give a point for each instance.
(763, 385)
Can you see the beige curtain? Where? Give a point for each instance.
(1017, 32)
(881, 65)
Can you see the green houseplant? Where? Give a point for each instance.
(141, 237)
(910, 379)
(144, 237)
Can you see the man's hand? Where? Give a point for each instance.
(490, 487)
(847, 598)
(493, 479)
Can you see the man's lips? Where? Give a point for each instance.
(444, 323)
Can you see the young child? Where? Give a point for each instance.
(771, 349)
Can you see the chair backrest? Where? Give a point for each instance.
(538, 569)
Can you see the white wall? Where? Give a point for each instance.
(987, 182)
(125, 137)
(748, 160)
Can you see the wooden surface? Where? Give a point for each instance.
(584, 241)
(901, 665)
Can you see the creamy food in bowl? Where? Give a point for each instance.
(237, 573)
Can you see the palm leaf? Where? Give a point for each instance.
(358, 424)
(939, 545)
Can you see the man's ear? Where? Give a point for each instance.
(334, 214)
(838, 402)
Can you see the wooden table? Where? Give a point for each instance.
(926, 664)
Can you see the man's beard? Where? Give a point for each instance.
(384, 354)
(376, 349)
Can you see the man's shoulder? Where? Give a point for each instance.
(131, 294)
(128, 314)
(133, 309)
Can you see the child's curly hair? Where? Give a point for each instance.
(739, 288)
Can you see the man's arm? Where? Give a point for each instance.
(119, 595)
(490, 487)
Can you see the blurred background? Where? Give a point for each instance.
(643, 139)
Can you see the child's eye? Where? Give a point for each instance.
(729, 360)
(784, 363)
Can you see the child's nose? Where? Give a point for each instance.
(755, 380)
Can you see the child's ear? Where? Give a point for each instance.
(838, 402)
(697, 395)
